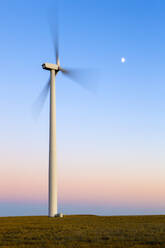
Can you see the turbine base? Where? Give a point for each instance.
(59, 215)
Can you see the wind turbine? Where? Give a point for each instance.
(54, 69)
(76, 75)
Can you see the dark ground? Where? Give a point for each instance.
(83, 231)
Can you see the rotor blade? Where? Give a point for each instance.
(54, 30)
(39, 103)
(84, 77)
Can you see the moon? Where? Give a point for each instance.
(123, 60)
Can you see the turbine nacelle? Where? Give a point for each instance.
(49, 67)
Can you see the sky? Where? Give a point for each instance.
(110, 144)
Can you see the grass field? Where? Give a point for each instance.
(83, 231)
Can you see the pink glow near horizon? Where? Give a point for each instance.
(94, 189)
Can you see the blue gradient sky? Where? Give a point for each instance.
(111, 144)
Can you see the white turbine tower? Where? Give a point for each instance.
(52, 141)
(54, 69)
(76, 75)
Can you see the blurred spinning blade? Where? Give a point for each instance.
(86, 78)
(54, 30)
(40, 101)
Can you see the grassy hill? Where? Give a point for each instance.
(83, 231)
